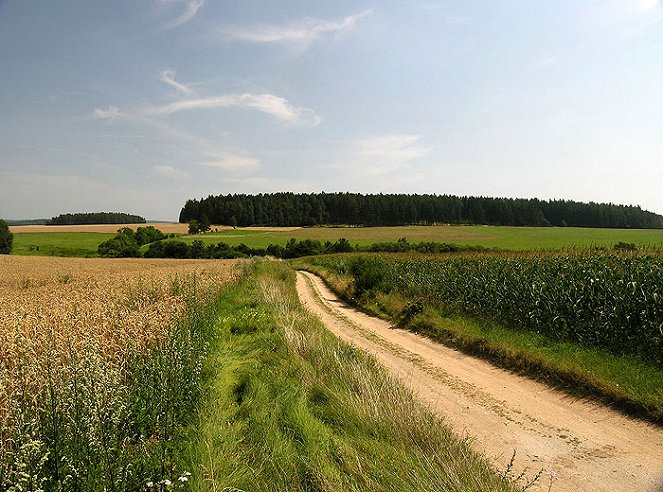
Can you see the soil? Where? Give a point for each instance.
(578, 445)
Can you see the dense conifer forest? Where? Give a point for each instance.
(96, 218)
(308, 209)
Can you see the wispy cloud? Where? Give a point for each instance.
(301, 33)
(168, 76)
(111, 112)
(276, 106)
(392, 149)
(634, 17)
(232, 162)
(384, 155)
(192, 8)
(171, 172)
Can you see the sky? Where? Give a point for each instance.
(137, 106)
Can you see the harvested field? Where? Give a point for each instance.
(166, 228)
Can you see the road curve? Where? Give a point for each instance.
(581, 446)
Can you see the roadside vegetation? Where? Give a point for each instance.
(591, 322)
(101, 369)
(290, 407)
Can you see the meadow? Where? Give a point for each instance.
(80, 242)
(511, 238)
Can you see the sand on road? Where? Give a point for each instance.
(582, 446)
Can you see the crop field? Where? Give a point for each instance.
(74, 333)
(606, 305)
(510, 238)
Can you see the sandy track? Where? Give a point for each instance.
(588, 447)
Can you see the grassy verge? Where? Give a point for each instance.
(626, 382)
(71, 244)
(290, 407)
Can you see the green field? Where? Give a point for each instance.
(80, 244)
(511, 238)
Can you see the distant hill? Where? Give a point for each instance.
(96, 218)
(307, 209)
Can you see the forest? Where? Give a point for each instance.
(309, 209)
(96, 218)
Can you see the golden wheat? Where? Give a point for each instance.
(54, 308)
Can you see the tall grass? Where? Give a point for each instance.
(290, 407)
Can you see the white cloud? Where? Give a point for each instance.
(231, 162)
(384, 155)
(301, 33)
(267, 103)
(171, 172)
(109, 113)
(391, 149)
(168, 76)
(191, 10)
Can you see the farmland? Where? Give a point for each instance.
(88, 350)
(134, 374)
(81, 241)
(584, 319)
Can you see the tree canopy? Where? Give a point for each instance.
(96, 218)
(6, 238)
(290, 209)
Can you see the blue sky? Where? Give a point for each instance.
(137, 106)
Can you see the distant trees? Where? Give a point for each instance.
(96, 218)
(126, 243)
(6, 238)
(289, 209)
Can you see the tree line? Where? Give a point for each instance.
(96, 218)
(309, 209)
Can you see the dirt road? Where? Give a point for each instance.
(582, 446)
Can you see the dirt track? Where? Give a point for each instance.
(583, 446)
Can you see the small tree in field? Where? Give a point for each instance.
(6, 238)
(194, 227)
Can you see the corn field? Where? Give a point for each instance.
(98, 360)
(608, 300)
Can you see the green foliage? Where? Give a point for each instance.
(148, 234)
(602, 299)
(6, 238)
(122, 245)
(96, 218)
(370, 275)
(194, 227)
(309, 209)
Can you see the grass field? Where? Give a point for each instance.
(512, 238)
(74, 244)
(81, 243)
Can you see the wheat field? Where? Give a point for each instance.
(53, 309)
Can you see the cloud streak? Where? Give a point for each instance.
(276, 106)
(191, 10)
(171, 172)
(168, 76)
(301, 33)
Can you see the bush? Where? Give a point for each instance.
(121, 246)
(6, 238)
(369, 275)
